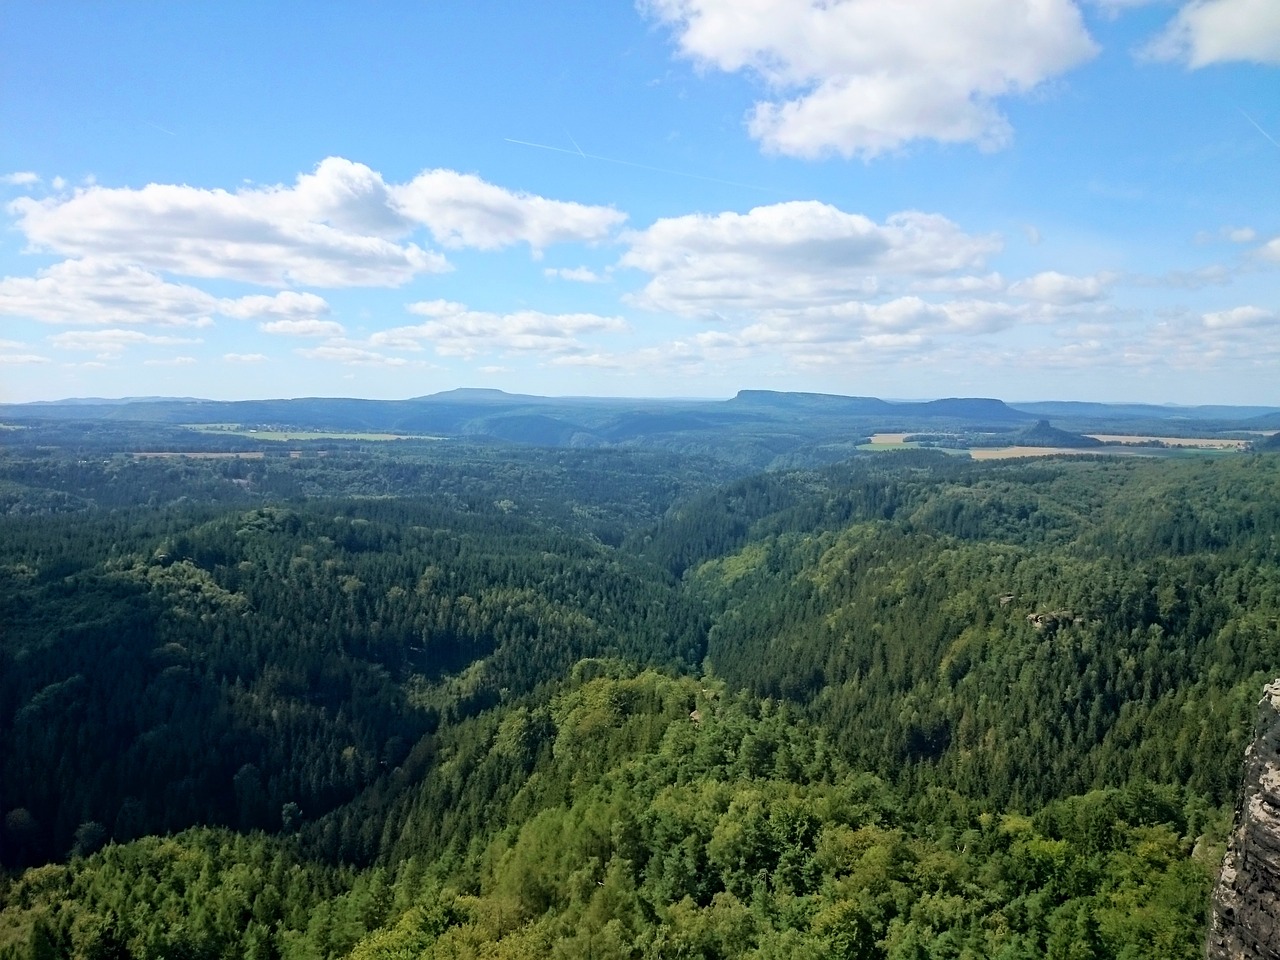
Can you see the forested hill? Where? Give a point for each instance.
(507, 701)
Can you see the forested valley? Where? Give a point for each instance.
(450, 699)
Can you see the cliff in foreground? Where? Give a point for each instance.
(1246, 903)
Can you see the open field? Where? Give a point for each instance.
(889, 441)
(1119, 446)
(1205, 443)
(1007, 453)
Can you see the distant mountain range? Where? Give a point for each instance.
(758, 427)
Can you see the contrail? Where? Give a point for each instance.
(1258, 128)
(642, 166)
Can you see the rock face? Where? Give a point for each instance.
(1246, 902)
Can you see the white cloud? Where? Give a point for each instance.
(575, 274)
(244, 357)
(792, 254)
(287, 304)
(339, 226)
(330, 230)
(98, 291)
(22, 359)
(303, 328)
(170, 362)
(455, 330)
(1059, 288)
(351, 355)
(1248, 317)
(112, 342)
(1240, 234)
(599, 361)
(1205, 32)
(861, 77)
(1270, 250)
(22, 178)
(102, 292)
(988, 283)
(461, 210)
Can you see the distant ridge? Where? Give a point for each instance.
(756, 429)
(813, 402)
(479, 395)
(1083, 410)
(964, 408)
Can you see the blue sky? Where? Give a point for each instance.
(1028, 199)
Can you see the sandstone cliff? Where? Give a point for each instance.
(1246, 903)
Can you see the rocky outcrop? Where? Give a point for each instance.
(1246, 902)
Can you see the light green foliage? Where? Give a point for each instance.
(899, 708)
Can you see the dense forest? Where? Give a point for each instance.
(474, 699)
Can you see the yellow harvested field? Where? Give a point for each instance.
(887, 439)
(1005, 453)
(1204, 443)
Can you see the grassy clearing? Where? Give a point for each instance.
(1206, 443)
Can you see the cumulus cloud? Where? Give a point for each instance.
(575, 274)
(22, 359)
(287, 304)
(113, 342)
(987, 283)
(792, 254)
(244, 357)
(461, 210)
(1205, 32)
(21, 178)
(1248, 317)
(351, 355)
(303, 328)
(340, 226)
(273, 236)
(103, 292)
(861, 77)
(97, 291)
(1059, 288)
(170, 362)
(454, 330)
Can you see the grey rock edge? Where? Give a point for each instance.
(1245, 921)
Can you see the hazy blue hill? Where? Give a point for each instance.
(1146, 411)
(481, 395)
(535, 428)
(812, 403)
(1269, 421)
(632, 426)
(966, 408)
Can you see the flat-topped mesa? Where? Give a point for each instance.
(1245, 924)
